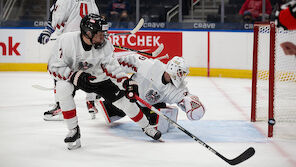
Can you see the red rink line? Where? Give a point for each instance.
(275, 145)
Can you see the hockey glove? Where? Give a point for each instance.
(131, 89)
(286, 16)
(82, 81)
(45, 34)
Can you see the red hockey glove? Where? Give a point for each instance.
(286, 16)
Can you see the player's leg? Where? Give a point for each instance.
(55, 114)
(109, 111)
(113, 94)
(160, 123)
(64, 92)
(133, 111)
(90, 103)
(171, 112)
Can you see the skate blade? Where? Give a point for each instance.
(53, 118)
(74, 145)
(157, 141)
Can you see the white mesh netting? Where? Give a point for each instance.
(284, 82)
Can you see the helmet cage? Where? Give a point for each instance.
(178, 70)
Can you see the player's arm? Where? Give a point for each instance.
(95, 7)
(60, 14)
(114, 71)
(46, 33)
(131, 63)
(59, 64)
(192, 106)
(110, 65)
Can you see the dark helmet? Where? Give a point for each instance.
(93, 23)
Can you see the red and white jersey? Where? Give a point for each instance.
(69, 52)
(148, 74)
(67, 14)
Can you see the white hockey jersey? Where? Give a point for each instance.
(67, 14)
(69, 52)
(148, 74)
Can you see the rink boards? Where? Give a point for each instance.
(213, 53)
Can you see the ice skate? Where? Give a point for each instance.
(73, 139)
(91, 109)
(152, 132)
(54, 114)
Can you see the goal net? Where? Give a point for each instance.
(274, 81)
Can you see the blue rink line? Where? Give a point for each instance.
(206, 130)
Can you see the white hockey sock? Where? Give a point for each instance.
(70, 119)
(133, 111)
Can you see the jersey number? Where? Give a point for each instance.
(83, 10)
(142, 58)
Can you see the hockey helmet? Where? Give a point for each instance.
(94, 23)
(177, 69)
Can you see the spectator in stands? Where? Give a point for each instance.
(186, 5)
(118, 10)
(252, 10)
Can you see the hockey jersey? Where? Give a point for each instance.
(69, 52)
(67, 14)
(148, 74)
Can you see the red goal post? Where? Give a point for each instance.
(274, 81)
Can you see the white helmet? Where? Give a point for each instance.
(177, 69)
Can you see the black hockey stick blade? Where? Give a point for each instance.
(241, 158)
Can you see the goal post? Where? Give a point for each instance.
(274, 81)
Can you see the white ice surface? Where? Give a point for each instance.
(27, 140)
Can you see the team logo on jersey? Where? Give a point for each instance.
(84, 66)
(92, 21)
(152, 96)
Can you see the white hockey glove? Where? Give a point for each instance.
(45, 34)
(60, 73)
(193, 107)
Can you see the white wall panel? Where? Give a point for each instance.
(195, 48)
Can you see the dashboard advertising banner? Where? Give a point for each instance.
(11, 46)
(147, 41)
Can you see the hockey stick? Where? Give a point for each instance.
(40, 87)
(136, 29)
(153, 54)
(163, 57)
(241, 158)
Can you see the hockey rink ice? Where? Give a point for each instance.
(27, 140)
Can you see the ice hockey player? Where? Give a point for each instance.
(65, 16)
(158, 84)
(286, 16)
(101, 73)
